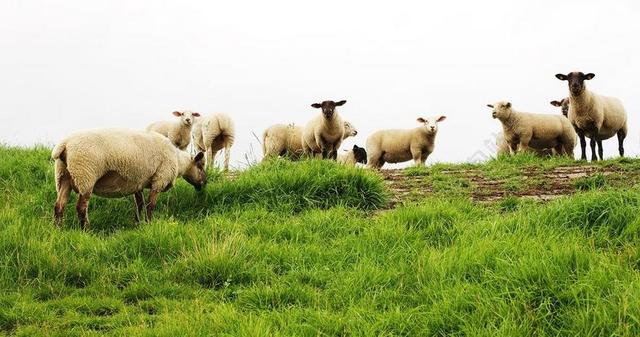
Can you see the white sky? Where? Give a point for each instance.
(75, 64)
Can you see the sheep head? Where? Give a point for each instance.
(186, 117)
(328, 107)
(501, 110)
(576, 81)
(431, 123)
(195, 173)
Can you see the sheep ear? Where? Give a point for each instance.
(441, 118)
(355, 147)
(421, 120)
(340, 103)
(507, 105)
(177, 113)
(490, 105)
(195, 114)
(316, 105)
(589, 76)
(198, 157)
(561, 77)
(555, 103)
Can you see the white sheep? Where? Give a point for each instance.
(212, 134)
(594, 116)
(286, 140)
(119, 162)
(324, 134)
(524, 131)
(504, 149)
(178, 132)
(353, 156)
(399, 145)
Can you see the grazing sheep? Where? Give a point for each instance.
(324, 134)
(352, 157)
(395, 146)
(212, 134)
(564, 103)
(524, 131)
(178, 132)
(286, 140)
(594, 116)
(119, 162)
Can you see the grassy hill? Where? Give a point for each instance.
(312, 248)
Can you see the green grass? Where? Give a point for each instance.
(302, 249)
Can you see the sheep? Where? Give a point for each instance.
(524, 131)
(564, 103)
(119, 162)
(324, 134)
(212, 134)
(353, 156)
(286, 140)
(594, 116)
(399, 145)
(178, 132)
(504, 149)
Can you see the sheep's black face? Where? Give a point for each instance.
(196, 174)
(576, 81)
(328, 107)
(360, 154)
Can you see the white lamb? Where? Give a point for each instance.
(212, 134)
(524, 131)
(399, 145)
(594, 116)
(178, 132)
(119, 162)
(286, 140)
(324, 134)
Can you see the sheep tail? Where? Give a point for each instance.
(58, 152)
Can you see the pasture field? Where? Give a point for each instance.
(315, 249)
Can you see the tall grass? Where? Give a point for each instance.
(315, 261)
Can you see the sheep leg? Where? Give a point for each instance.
(583, 146)
(211, 157)
(621, 135)
(81, 208)
(139, 199)
(153, 199)
(592, 143)
(599, 142)
(64, 190)
(417, 158)
(227, 156)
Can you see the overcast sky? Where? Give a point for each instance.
(74, 64)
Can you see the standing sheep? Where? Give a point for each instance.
(564, 103)
(524, 131)
(178, 132)
(594, 116)
(119, 162)
(395, 146)
(286, 140)
(353, 156)
(324, 134)
(212, 134)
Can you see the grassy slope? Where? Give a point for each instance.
(297, 249)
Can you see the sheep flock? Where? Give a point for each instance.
(121, 162)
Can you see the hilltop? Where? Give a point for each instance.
(517, 246)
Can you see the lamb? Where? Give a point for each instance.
(594, 116)
(399, 145)
(178, 132)
(119, 162)
(286, 140)
(212, 134)
(524, 131)
(352, 157)
(324, 134)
